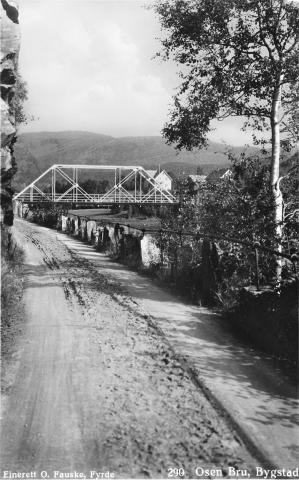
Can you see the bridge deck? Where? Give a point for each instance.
(94, 199)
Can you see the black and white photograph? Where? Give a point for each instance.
(149, 239)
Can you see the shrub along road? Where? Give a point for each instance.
(94, 385)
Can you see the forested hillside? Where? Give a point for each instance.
(35, 152)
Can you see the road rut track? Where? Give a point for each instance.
(137, 411)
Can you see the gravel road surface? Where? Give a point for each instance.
(93, 385)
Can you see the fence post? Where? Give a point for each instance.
(257, 273)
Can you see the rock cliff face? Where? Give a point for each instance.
(10, 42)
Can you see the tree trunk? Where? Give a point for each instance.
(275, 160)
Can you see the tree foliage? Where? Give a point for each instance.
(235, 56)
(227, 210)
(238, 206)
(20, 96)
(238, 58)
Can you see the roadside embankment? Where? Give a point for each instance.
(12, 312)
(11, 283)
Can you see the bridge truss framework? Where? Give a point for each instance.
(142, 189)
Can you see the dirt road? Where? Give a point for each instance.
(93, 384)
(256, 390)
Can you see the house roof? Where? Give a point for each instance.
(226, 174)
(151, 173)
(164, 173)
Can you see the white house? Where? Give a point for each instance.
(164, 180)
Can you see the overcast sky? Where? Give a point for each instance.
(89, 66)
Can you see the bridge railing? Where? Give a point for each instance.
(118, 197)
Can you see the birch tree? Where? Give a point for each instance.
(237, 58)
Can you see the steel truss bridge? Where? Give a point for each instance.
(132, 185)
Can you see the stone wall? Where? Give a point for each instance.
(10, 43)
